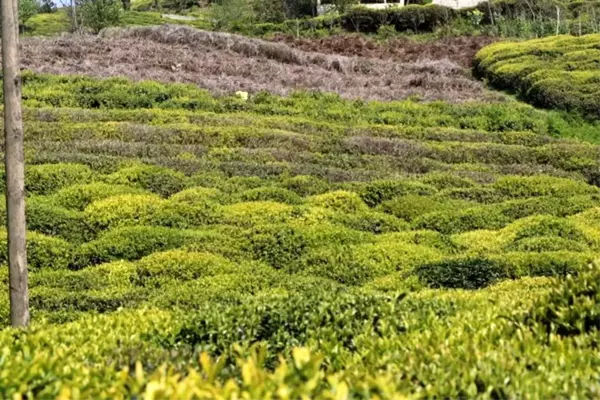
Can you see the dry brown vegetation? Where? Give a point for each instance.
(459, 50)
(224, 63)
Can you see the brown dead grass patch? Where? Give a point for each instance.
(225, 63)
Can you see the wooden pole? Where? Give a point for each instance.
(15, 166)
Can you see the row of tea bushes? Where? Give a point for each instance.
(560, 72)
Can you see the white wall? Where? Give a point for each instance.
(457, 3)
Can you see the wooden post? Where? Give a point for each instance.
(15, 166)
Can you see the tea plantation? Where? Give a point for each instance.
(556, 72)
(185, 246)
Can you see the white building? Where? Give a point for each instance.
(457, 3)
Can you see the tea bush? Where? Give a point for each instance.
(79, 196)
(44, 252)
(162, 181)
(181, 265)
(555, 72)
(46, 179)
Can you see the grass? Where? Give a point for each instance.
(52, 24)
(302, 246)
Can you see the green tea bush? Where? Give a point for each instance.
(279, 195)
(79, 196)
(180, 265)
(340, 200)
(370, 221)
(523, 187)
(118, 274)
(256, 213)
(137, 209)
(377, 192)
(556, 72)
(305, 185)
(130, 243)
(551, 263)
(42, 251)
(415, 18)
(571, 309)
(45, 217)
(162, 181)
(410, 207)
(442, 181)
(334, 319)
(197, 195)
(284, 245)
(48, 178)
(470, 272)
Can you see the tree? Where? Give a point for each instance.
(99, 14)
(47, 7)
(15, 166)
(27, 9)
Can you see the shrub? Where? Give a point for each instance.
(415, 18)
(551, 263)
(284, 245)
(370, 221)
(469, 272)
(257, 213)
(197, 195)
(377, 192)
(45, 217)
(522, 187)
(112, 275)
(149, 210)
(279, 195)
(305, 185)
(48, 178)
(162, 181)
(410, 207)
(286, 321)
(137, 209)
(544, 225)
(281, 246)
(181, 265)
(442, 181)
(79, 196)
(42, 251)
(340, 200)
(572, 308)
(463, 220)
(130, 243)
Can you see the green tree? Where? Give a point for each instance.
(27, 9)
(99, 14)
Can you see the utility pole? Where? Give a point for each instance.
(15, 166)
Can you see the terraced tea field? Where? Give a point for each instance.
(364, 219)
(280, 247)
